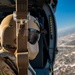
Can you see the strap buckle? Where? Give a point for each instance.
(21, 21)
(22, 61)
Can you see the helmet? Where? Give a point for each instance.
(8, 30)
(8, 35)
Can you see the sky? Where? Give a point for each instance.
(65, 15)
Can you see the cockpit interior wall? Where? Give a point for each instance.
(8, 6)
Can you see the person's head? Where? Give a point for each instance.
(8, 35)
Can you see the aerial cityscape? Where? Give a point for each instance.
(65, 59)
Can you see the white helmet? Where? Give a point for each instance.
(8, 35)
